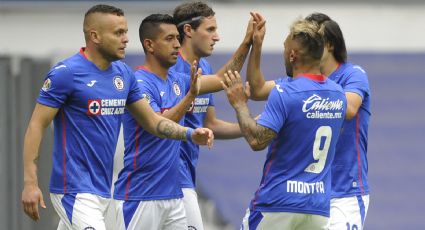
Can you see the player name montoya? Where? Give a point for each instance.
(316, 107)
(293, 186)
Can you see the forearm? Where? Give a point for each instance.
(238, 58)
(178, 111)
(224, 130)
(254, 134)
(32, 142)
(254, 75)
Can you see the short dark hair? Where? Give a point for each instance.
(309, 35)
(191, 13)
(106, 9)
(332, 35)
(149, 27)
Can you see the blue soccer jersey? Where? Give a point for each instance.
(189, 152)
(86, 127)
(151, 164)
(307, 114)
(349, 170)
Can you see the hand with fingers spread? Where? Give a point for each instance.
(195, 83)
(259, 28)
(203, 136)
(31, 198)
(235, 91)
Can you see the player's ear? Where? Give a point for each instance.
(187, 30)
(94, 36)
(148, 44)
(292, 56)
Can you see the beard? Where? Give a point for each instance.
(109, 55)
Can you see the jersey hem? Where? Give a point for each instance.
(313, 212)
(146, 198)
(68, 191)
(350, 194)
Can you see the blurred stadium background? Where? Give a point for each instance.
(386, 37)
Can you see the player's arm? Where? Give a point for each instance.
(260, 88)
(212, 83)
(257, 136)
(178, 111)
(165, 128)
(222, 129)
(31, 194)
(354, 101)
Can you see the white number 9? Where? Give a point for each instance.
(320, 155)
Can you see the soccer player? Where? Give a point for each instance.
(147, 190)
(350, 189)
(197, 26)
(301, 124)
(85, 96)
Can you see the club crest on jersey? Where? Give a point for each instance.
(94, 107)
(118, 83)
(46, 85)
(176, 89)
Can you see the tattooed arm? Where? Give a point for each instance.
(165, 128)
(31, 194)
(257, 136)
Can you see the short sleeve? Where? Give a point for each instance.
(357, 82)
(147, 92)
(274, 114)
(134, 91)
(57, 87)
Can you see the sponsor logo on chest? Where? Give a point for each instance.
(102, 107)
(316, 107)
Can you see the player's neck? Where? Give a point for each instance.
(188, 54)
(155, 67)
(328, 66)
(92, 55)
(306, 70)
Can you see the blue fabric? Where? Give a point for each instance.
(350, 168)
(195, 118)
(68, 201)
(91, 103)
(307, 116)
(129, 208)
(151, 164)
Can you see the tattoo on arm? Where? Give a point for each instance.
(237, 62)
(169, 129)
(257, 136)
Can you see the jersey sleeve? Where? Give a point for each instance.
(274, 114)
(147, 92)
(134, 90)
(358, 82)
(58, 86)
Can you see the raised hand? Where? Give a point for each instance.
(195, 83)
(259, 28)
(236, 93)
(31, 198)
(203, 136)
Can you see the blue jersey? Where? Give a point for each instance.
(189, 152)
(307, 114)
(151, 164)
(349, 170)
(86, 127)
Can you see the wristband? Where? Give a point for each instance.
(189, 132)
